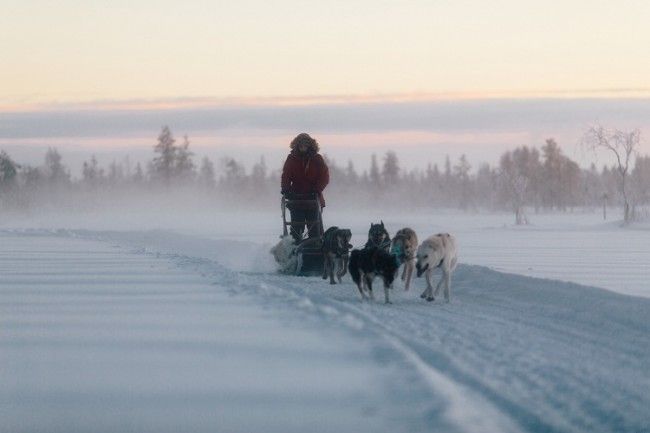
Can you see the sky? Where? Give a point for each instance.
(428, 76)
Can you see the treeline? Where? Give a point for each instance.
(526, 179)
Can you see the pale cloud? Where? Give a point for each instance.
(549, 115)
(421, 131)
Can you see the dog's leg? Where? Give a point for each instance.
(386, 287)
(428, 291)
(360, 287)
(343, 267)
(326, 263)
(432, 293)
(339, 269)
(408, 269)
(368, 281)
(439, 285)
(359, 283)
(447, 278)
(404, 271)
(331, 268)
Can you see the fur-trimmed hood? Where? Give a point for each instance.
(304, 138)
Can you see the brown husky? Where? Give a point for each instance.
(404, 246)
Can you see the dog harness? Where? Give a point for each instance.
(384, 245)
(399, 255)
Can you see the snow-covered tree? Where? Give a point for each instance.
(640, 181)
(559, 185)
(162, 166)
(390, 170)
(374, 176)
(92, 174)
(351, 176)
(8, 170)
(461, 173)
(138, 174)
(184, 169)
(56, 172)
(259, 174)
(207, 178)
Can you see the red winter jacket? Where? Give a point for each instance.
(305, 173)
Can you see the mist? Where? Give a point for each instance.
(191, 191)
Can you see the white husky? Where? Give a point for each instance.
(437, 251)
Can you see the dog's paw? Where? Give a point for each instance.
(324, 277)
(430, 299)
(332, 282)
(423, 296)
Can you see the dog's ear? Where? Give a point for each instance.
(382, 223)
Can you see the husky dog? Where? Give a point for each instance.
(404, 246)
(285, 254)
(367, 263)
(378, 237)
(336, 252)
(437, 251)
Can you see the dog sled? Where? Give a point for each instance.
(309, 250)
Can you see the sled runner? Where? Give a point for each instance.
(309, 250)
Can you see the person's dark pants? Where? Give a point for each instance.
(298, 219)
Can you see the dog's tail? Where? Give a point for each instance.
(355, 272)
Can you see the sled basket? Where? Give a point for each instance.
(310, 255)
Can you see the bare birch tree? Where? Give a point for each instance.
(623, 145)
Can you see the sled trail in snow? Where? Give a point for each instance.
(549, 355)
(509, 353)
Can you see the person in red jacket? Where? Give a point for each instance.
(304, 173)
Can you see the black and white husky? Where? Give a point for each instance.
(336, 252)
(367, 263)
(437, 251)
(378, 237)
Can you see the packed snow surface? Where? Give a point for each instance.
(156, 331)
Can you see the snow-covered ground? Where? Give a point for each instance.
(95, 338)
(191, 330)
(578, 247)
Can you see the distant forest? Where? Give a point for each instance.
(527, 179)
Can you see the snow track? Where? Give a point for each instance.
(510, 353)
